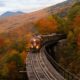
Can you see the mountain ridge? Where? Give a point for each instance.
(10, 13)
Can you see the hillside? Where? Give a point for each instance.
(10, 23)
(69, 51)
(15, 32)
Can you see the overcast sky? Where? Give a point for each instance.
(25, 5)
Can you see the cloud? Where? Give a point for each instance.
(2, 4)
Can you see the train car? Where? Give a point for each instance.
(35, 44)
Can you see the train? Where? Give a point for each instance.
(35, 44)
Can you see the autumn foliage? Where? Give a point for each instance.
(47, 25)
(12, 57)
(14, 43)
(70, 51)
(76, 27)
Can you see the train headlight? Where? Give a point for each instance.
(34, 40)
(37, 47)
(31, 46)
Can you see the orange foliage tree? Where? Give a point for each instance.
(46, 25)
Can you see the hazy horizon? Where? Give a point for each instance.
(26, 6)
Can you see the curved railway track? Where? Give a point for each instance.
(38, 69)
(41, 66)
(45, 68)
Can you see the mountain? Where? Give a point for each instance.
(25, 22)
(8, 13)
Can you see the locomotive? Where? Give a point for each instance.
(35, 44)
(37, 41)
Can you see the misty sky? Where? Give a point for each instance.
(25, 5)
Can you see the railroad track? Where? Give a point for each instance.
(30, 68)
(40, 69)
(37, 69)
(44, 67)
(41, 66)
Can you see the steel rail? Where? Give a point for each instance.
(38, 70)
(46, 70)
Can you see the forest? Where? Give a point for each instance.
(13, 48)
(69, 52)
